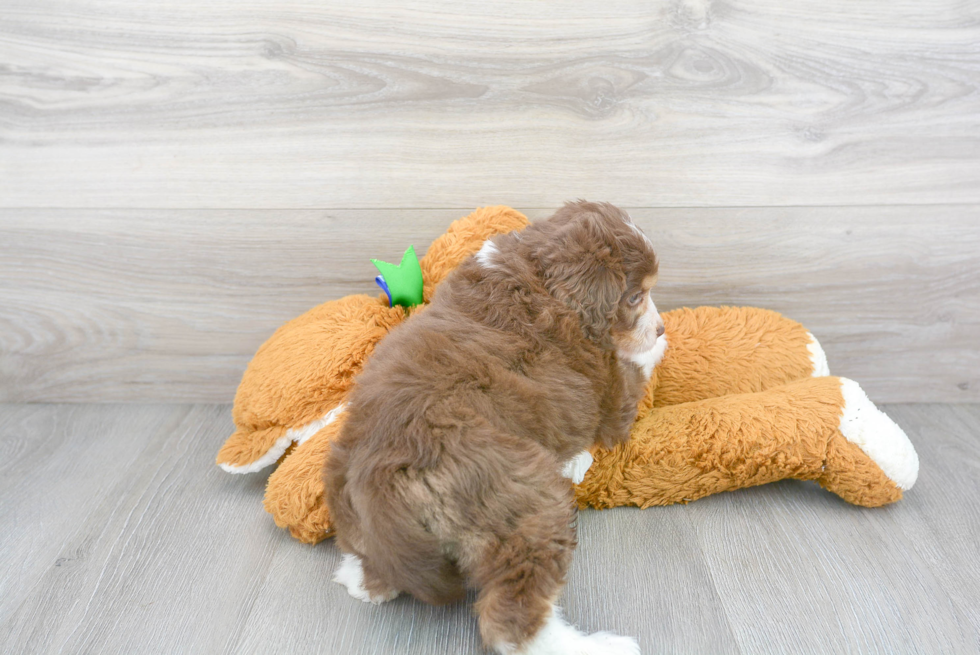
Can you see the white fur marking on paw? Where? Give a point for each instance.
(486, 252)
(299, 435)
(576, 468)
(878, 436)
(351, 575)
(558, 638)
(818, 357)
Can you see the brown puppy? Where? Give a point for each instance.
(448, 472)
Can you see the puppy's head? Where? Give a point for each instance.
(595, 260)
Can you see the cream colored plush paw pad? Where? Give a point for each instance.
(878, 436)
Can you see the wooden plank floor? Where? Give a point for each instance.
(121, 536)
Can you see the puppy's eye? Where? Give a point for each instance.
(635, 298)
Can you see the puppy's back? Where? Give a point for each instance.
(420, 480)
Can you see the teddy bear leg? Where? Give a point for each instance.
(818, 358)
(823, 429)
(716, 351)
(294, 492)
(870, 461)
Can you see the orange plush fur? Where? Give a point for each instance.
(739, 400)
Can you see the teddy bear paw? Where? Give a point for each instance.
(878, 436)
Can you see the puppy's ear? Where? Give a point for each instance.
(582, 268)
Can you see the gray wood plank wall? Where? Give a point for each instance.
(177, 179)
(379, 103)
(169, 305)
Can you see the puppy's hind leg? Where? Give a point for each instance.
(519, 581)
(519, 561)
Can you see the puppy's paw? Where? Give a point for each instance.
(576, 468)
(607, 643)
(350, 573)
(559, 638)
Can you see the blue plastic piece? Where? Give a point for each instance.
(384, 287)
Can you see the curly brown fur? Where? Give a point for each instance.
(446, 474)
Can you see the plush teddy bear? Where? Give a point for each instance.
(742, 397)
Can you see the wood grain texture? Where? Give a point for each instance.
(948, 442)
(157, 562)
(165, 305)
(47, 490)
(120, 535)
(800, 571)
(307, 104)
(646, 577)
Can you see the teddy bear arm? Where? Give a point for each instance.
(716, 351)
(294, 494)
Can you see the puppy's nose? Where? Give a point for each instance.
(660, 330)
